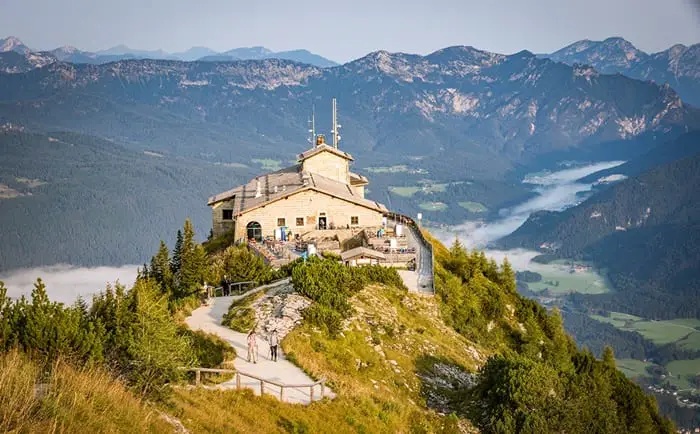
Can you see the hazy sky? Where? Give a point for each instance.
(343, 30)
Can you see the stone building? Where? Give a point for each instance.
(320, 192)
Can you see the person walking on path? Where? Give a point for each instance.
(274, 342)
(252, 347)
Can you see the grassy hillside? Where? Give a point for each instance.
(386, 367)
(477, 351)
(475, 356)
(69, 400)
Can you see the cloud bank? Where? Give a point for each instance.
(64, 283)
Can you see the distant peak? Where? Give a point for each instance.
(458, 49)
(619, 41)
(525, 54)
(12, 43)
(678, 47)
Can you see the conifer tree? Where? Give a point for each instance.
(160, 268)
(177, 254)
(608, 357)
(6, 329)
(507, 276)
(193, 263)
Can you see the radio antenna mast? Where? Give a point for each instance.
(336, 125)
(312, 126)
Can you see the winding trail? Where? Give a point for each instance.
(208, 319)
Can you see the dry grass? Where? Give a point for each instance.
(68, 400)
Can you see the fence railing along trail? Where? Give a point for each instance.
(263, 381)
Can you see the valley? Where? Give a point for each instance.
(663, 355)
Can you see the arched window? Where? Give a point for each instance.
(254, 231)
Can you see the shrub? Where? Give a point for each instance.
(331, 284)
(210, 351)
(239, 264)
(240, 316)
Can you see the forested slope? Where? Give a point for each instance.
(645, 231)
(81, 200)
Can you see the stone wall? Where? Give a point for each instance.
(329, 165)
(307, 205)
(219, 225)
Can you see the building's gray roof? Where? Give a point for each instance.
(284, 183)
(357, 179)
(361, 251)
(324, 148)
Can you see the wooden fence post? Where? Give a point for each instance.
(281, 393)
(238, 381)
(312, 393)
(197, 377)
(262, 387)
(323, 389)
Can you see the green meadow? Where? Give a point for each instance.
(433, 206)
(268, 163)
(559, 282)
(474, 207)
(683, 331)
(633, 368)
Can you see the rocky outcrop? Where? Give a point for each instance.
(279, 309)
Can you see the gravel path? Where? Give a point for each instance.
(208, 319)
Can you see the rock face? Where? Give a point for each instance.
(279, 309)
(442, 381)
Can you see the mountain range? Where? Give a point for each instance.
(121, 52)
(469, 121)
(679, 65)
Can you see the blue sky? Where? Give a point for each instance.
(344, 30)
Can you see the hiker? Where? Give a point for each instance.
(252, 347)
(274, 342)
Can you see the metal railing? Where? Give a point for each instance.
(263, 381)
(400, 218)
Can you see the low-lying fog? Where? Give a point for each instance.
(64, 283)
(555, 192)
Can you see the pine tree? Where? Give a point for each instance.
(177, 254)
(608, 357)
(507, 276)
(160, 268)
(193, 263)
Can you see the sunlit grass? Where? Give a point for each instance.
(69, 400)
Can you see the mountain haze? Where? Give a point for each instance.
(122, 52)
(679, 65)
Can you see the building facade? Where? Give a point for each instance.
(320, 192)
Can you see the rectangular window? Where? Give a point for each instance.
(281, 221)
(354, 220)
(300, 221)
(228, 214)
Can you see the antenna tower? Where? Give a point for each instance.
(336, 125)
(312, 126)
